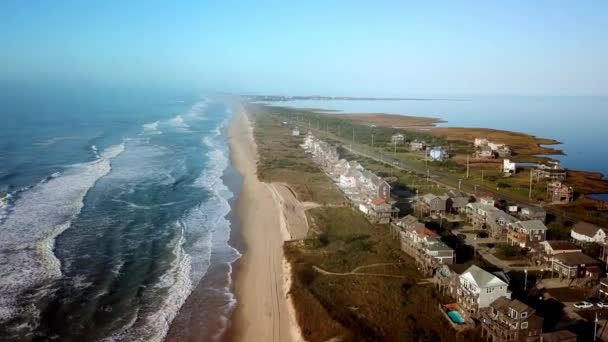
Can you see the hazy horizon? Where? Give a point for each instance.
(386, 48)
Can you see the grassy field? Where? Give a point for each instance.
(356, 307)
(368, 136)
(283, 160)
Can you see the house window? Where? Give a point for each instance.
(524, 325)
(524, 314)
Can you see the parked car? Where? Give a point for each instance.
(583, 305)
(601, 305)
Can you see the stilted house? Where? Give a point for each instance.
(510, 320)
(527, 234)
(559, 193)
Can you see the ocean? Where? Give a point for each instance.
(578, 122)
(117, 207)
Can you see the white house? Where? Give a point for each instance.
(587, 232)
(478, 289)
(481, 142)
(349, 179)
(398, 139)
(508, 168)
(295, 132)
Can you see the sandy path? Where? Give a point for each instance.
(262, 312)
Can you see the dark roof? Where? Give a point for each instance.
(586, 228)
(456, 193)
(575, 258)
(560, 245)
(503, 304)
(558, 336)
(535, 209)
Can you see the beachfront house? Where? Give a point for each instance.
(503, 152)
(379, 187)
(533, 213)
(527, 234)
(417, 145)
(551, 171)
(510, 320)
(430, 204)
(484, 152)
(508, 168)
(559, 193)
(349, 179)
(583, 232)
(575, 265)
(398, 139)
(403, 224)
(477, 289)
(487, 216)
(438, 154)
(458, 200)
(551, 248)
(481, 142)
(426, 247)
(487, 200)
(380, 211)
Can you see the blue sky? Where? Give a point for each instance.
(382, 48)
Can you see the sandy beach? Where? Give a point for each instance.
(263, 311)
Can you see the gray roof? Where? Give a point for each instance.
(377, 180)
(534, 209)
(530, 225)
(407, 220)
(456, 194)
(496, 214)
(438, 245)
(428, 197)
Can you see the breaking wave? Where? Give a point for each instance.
(178, 122)
(152, 127)
(37, 217)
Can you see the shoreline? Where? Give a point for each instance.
(261, 279)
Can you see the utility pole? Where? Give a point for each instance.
(467, 167)
(459, 184)
(395, 149)
(530, 192)
(595, 328)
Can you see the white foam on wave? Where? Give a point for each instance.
(153, 326)
(203, 229)
(152, 127)
(38, 216)
(178, 122)
(211, 180)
